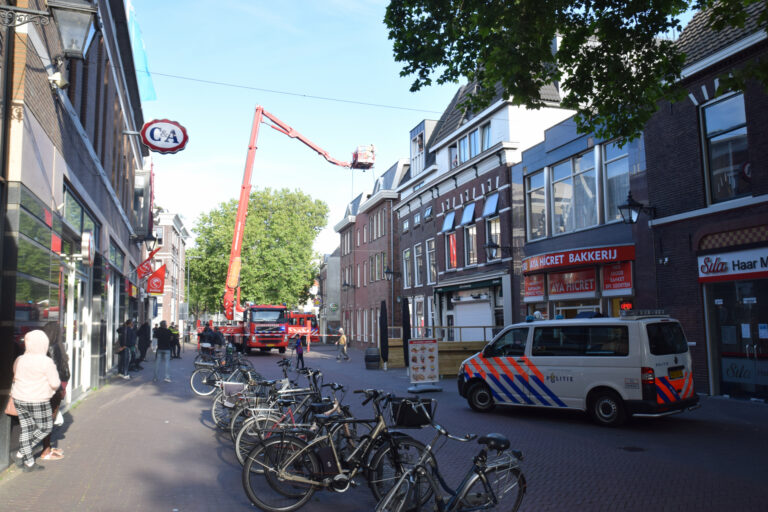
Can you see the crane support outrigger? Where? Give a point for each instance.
(362, 158)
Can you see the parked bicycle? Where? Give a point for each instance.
(203, 381)
(489, 483)
(282, 472)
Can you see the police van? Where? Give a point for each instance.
(638, 364)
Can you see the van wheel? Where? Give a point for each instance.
(607, 408)
(281, 350)
(479, 397)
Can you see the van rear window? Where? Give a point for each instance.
(666, 338)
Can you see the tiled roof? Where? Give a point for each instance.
(353, 206)
(454, 116)
(698, 40)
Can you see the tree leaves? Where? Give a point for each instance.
(278, 262)
(611, 65)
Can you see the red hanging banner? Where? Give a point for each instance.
(156, 282)
(146, 266)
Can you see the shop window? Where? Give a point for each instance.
(574, 194)
(616, 172)
(725, 131)
(536, 212)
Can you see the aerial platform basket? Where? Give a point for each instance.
(363, 157)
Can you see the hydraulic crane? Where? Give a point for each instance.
(362, 158)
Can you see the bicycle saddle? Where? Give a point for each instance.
(494, 441)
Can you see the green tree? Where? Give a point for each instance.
(279, 264)
(610, 60)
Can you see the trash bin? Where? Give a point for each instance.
(372, 358)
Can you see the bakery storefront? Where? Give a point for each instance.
(735, 290)
(566, 283)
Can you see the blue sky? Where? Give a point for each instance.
(322, 48)
(331, 48)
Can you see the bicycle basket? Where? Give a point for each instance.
(408, 412)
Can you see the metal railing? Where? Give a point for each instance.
(457, 334)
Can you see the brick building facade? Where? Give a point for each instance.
(708, 183)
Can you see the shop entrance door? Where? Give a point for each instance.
(76, 317)
(738, 319)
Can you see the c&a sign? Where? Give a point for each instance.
(731, 266)
(164, 136)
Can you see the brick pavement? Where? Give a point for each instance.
(138, 446)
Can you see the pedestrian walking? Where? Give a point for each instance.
(58, 353)
(35, 380)
(342, 343)
(299, 353)
(164, 340)
(145, 341)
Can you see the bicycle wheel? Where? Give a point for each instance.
(504, 483)
(398, 499)
(251, 433)
(262, 463)
(387, 466)
(199, 381)
(220, 412)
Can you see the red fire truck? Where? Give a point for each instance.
(303, 324)
(266, 327)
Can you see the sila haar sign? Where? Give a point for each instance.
(164, 136)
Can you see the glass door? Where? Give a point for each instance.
(738, 327)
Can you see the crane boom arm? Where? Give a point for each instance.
(362, 159)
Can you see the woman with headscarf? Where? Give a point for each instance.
(35, 380)
(58, 353)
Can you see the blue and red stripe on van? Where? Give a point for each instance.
(505, 382)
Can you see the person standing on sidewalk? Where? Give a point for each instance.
(299, 353)
(164, 340)
(124, 332)
(144, 334)
(35, 380)
(175, 345)
(342, 343)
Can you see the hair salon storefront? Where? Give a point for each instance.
(735, 290)
(566, 283)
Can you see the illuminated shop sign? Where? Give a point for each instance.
(731, 266)
(578, 257)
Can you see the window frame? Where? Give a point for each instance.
(470, 245)
(418, 263)
(707, 144)
(431, 261)
(406, 267)
(528, 215)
